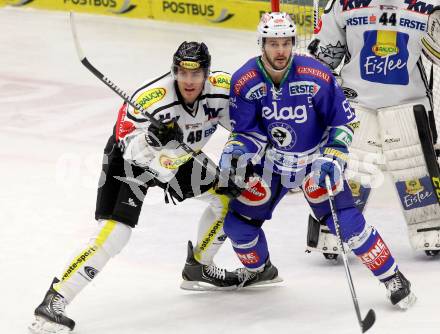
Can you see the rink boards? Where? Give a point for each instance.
(238, 14)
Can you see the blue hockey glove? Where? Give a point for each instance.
(326, 166)
(331, 163)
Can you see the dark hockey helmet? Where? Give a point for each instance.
(191, 56)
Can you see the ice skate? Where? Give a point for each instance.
(331, 257)
(200, 277)
(432, 252)
(267, 276)
(50, 315)
(399, 291)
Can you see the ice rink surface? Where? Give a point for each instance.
(55, 118)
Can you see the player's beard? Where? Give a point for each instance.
(272, 65)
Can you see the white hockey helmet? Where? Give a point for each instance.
(276, 24)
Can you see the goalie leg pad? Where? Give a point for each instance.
(313, 232)
(321, 234)
(107, 241)
(413, 165)
(319, 238)
(360, 193)
(365, 159)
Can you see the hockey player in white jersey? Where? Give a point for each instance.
(378, 44)
(192, 102)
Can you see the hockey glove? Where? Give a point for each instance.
(431, 40)
(331, 163)
(236, 168)
(158, 137)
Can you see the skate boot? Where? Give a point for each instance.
(399, 291)
(50, 315)
(331, 257)
(269, 274)
(200, 277)
(432, 252)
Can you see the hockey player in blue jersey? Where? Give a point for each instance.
(292, 126)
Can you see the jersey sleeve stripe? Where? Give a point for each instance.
(170, 105)
(150, 83)
(219, 96)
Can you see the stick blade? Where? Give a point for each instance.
(369, 320)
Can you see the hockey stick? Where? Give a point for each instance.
(275, 5)
(315, 14)
(427, 143)
(200, 157)
(371, 316)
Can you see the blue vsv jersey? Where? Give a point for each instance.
(294, 121)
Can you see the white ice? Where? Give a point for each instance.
(55, 118)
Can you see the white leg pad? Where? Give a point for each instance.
(406, 163)
(366, 159)
(327, 242)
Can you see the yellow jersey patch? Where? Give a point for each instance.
(150, 97)
(172, 162)
(220, 80)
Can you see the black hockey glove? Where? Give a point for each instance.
(236, 181)
(158, 137)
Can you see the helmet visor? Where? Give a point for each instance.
(183, 74)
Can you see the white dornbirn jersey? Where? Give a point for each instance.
(161, 99)
(380, 40)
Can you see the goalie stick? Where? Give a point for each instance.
(370, 318)
(427, 142)
(200, 157)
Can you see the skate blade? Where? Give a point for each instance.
(277, 279)
(335, 260)
(407, 302)
(201, 286)
(43, 326)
